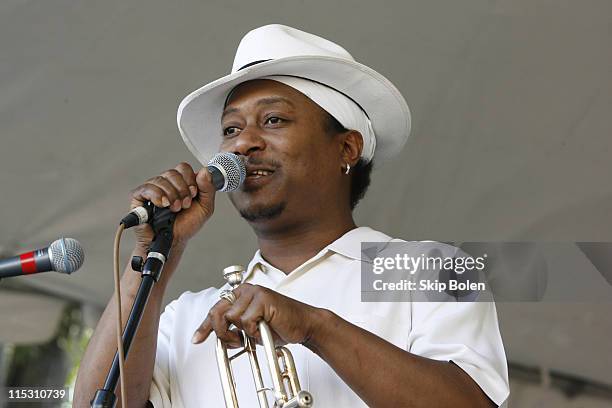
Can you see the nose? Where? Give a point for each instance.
(248, 141)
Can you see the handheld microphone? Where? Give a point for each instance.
(228, 173)
(64, 255)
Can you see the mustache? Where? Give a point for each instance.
(253, 161)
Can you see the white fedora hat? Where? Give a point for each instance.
(280, 50)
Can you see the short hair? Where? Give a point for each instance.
(360, 179)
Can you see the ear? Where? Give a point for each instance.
(352, 146)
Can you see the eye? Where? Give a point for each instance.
(230, 131)
(274, 120)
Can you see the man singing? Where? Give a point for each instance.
(309, 122)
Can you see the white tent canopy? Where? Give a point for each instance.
(511, 138)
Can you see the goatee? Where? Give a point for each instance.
(263, 213)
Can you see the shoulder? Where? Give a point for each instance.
(369, 234)
(202, 300)
(386, 244)
(366, 233)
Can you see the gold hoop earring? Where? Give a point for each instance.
(348, 168)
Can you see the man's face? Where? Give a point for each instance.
(293, 165)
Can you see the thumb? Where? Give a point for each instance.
(206, 189)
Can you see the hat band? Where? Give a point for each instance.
(344, 109)
(250, 64)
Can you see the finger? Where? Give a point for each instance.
(204, 182)
(203, 331)
(251, 317)
(235, 344)
(149, 192)
(233, 339)
(189, 176)
(206, 191)
(170, 191)
(220, 325)
(179, 183)
(235, 312)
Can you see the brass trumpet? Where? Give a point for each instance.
(286, 389)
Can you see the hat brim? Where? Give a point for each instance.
(199, 114)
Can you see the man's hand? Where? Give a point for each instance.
(180, 189)
(290, 321)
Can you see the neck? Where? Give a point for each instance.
(289, 247)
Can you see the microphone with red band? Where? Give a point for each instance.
(64, 255)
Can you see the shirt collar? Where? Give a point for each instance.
(257, 260)
(348, 245)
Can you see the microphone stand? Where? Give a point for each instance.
(162, 223)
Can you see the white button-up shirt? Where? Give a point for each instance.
(465, 333)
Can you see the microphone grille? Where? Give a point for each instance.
(232, 167)
(66, 255)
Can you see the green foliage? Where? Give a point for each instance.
(55, 362)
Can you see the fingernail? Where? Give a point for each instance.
(187, 202)
(165, 202)
(193, 190)
(197, 337)
(176, 205)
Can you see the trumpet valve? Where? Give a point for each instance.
(233, 275)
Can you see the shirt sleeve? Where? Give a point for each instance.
(466, 333)
(159, 393)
